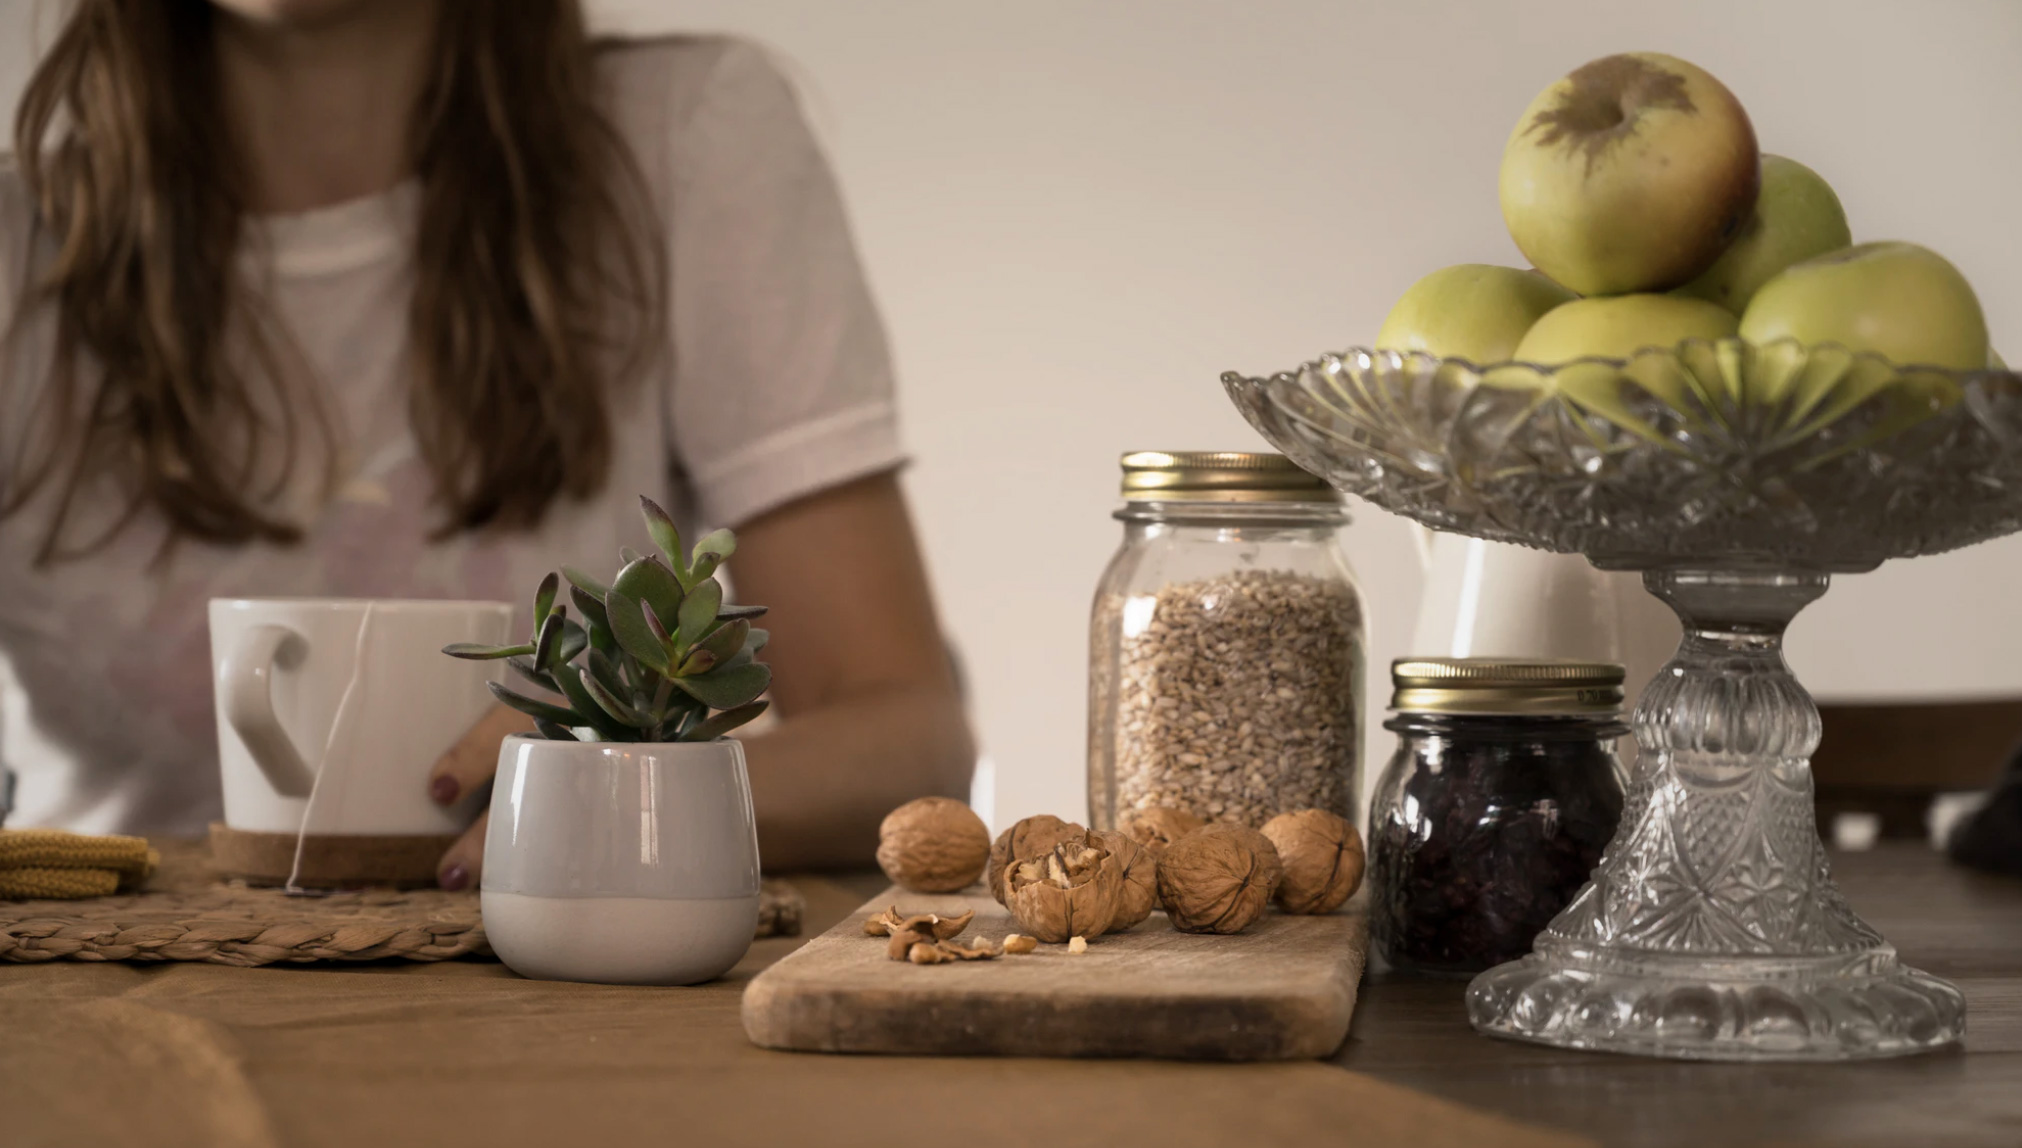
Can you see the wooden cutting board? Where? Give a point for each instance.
(1284, 989)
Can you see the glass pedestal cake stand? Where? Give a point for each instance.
(1738, 479)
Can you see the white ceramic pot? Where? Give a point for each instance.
(621, 864)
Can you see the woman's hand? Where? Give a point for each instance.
(465, 769)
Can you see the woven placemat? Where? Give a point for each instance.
(187, 914)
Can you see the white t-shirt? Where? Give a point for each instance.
(778, 385)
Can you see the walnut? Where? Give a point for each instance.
(903, 941)
(942, 952)
(1019, 943)
(1071, 891)
(1024, 841)
(1322, 855)
(1137, 872)
(1157, 828)
(979, 950)
(933, 845)
(1217, 879)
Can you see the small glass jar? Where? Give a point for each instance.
(1503, 792)
(1226, 645)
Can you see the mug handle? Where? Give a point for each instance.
(245, 680)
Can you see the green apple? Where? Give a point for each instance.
(1471, 311)
(1633, 173)
(1898, 300)
(1796, 217)
(1616, 327)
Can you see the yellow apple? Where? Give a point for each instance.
(1616, 327)
(1898, 300)
(1796, 217)
(1471, 311)
(1633, 173)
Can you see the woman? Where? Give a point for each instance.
(413, 298)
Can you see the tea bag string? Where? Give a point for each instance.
(337, 726)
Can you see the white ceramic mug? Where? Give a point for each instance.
(350, 700)
(621, 863)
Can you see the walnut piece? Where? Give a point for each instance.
(1137, 876)
(928, 954)
(1071, 891)
(1019, 943)
(1217, 879)
(1077, 944)
(1024, 841)
(1322, 856)
(1155, 829)
(933, 845)
(926, 924)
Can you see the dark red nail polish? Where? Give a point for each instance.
(444, 790)
(455, 878)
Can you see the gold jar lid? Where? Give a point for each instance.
(1219, 476)
(1505, 686)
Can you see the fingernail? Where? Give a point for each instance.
(455, 878)
(443, 789)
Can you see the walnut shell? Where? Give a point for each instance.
(1217, 879)
(1024, 841)
(1070, 892)
(933, 845)
(1137, 875)
(1157, 828)
(1322, 856)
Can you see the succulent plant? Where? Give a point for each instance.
(656, 656)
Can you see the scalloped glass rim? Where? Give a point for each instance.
(1708, 453)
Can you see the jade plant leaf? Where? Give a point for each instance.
(709, 729)
(575, 685)
(729, 687)
(698, 611)
(728, 639)
(651, 582)
(603, 706)
(606, 671)
(550, 641)
(660, 526)
(479, 652)
(697, 663)
(544, 599)
(635, 636)
(750, 613)
(585, 583)
(532, 708)
(525, 668)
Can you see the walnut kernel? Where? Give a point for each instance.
(1077, 944)
(1019, 943)
(1070, 891)
(1024, 841)
(1322, 856)
(933, 845)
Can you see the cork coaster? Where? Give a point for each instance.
(329, 861)
(187, 914)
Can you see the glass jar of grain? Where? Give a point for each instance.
(1226, 645)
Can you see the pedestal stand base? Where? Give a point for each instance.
(1831, 1008)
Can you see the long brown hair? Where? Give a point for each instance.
(539, 276)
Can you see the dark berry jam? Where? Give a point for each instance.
(1483, 828)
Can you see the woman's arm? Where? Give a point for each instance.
(870, 714)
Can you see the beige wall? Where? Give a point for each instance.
(1078, 214)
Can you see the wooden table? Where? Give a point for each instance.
(1960, 925)
(466, 1053)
